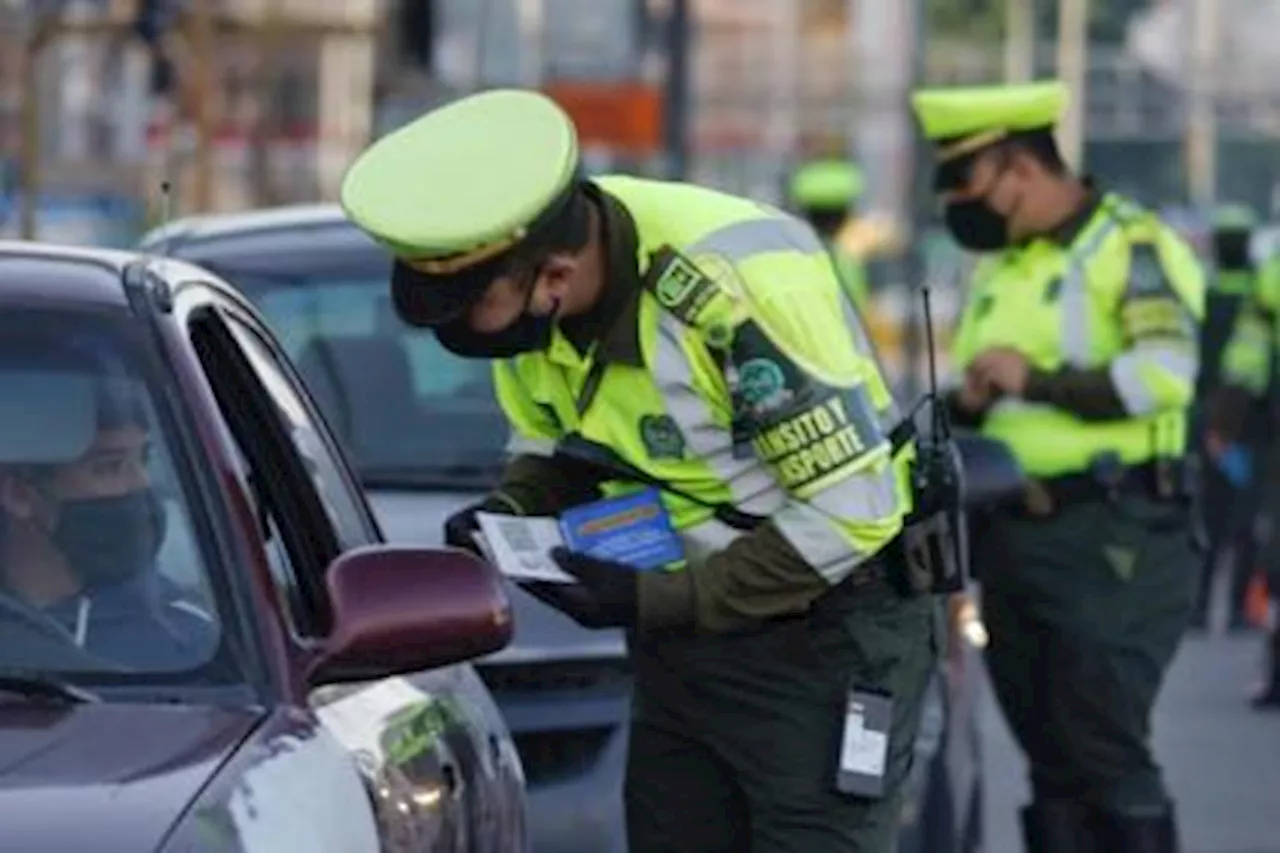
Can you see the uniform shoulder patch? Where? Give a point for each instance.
(684, 290)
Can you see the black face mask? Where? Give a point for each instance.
(109, 540)
(528, 333)
(976, 226)
(1231, 250)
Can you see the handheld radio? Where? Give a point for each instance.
(933, 540)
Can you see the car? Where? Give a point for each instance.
(426, 437)
(206, 645)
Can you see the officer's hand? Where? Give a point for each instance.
(605, 597)
(459, 527)
(975, 394)
(1005, 368)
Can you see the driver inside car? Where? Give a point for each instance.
(78, 546)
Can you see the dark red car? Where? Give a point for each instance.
(205, 645)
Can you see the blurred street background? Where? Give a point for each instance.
(240, 104)
(247, 103)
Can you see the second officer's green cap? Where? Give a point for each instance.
(455, 192)
(961, 121)
(1234, 217)
(826, 184)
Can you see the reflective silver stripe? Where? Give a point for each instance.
(1077, 340)
(1126, 372)
(519, 445)
(891, 414)
(751, 487)
(867, 497)
(741, 240)
(813, 534)
(709, 537)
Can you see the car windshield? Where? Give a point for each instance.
(99, 566)
(409, 413)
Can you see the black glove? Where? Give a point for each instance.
(605, 598)
(459, 527)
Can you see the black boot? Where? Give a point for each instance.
(1058, 826)
(1137, 833)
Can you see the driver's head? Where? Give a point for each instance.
(93, 517)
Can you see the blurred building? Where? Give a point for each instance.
(298, 86)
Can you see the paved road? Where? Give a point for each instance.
(1222, 760)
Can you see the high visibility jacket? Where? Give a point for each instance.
(852, 275)
(1248, 358)
(751, 382)
(1123, 300)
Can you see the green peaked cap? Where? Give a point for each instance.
(826, 184)
(465, 181)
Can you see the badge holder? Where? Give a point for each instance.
(863, 758)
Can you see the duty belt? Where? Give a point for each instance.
(1165, 479)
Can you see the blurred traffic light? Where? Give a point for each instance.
(416, 28)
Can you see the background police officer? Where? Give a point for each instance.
(1230, 487)
(824, 192)
(1078, 349)
(673, 335)
(1245, 395)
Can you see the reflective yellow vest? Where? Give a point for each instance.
(1069, 306)
(757, 386)
(1247, 360)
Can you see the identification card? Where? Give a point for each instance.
(633, 529)
(864, 744)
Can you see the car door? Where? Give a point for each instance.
(435, 755)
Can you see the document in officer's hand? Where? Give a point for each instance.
(520, 546)
(634, 530)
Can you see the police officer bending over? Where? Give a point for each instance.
(1078, 349)
(660, 333)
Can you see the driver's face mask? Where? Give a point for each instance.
(108, 540)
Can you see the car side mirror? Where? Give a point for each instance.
(992, 475)
(402, 609)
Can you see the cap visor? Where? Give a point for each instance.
(429, 301)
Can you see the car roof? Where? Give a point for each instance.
(219, 225)
(54, 272)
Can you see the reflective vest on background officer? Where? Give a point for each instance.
(1078, 349)
(715, 359)
(1244, 395)
(1230, 487)
(824, 192)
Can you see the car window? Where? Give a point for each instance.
(409, 412)
(289, 581)
(101, 567)
(343, 505)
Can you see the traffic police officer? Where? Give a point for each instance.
(699, 342)
(1246, 387)
(1078, 349)
(824, 193)
(1230, 489)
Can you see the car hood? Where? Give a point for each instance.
(106, 777)
(541, 634)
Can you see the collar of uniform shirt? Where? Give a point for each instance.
(613, 323)
(1067, 231)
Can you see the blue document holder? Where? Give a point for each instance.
(633, 529)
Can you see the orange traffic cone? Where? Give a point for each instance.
(1257, 601)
